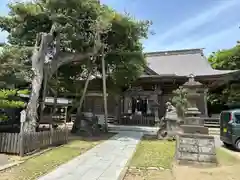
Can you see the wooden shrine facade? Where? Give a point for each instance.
(144, 103)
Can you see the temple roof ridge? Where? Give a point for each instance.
(176, 52)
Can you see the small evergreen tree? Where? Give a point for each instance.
(180, 101)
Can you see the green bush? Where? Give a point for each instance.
(3, 118)
(5, 95)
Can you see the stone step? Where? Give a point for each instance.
(214, 131)
(143, 129)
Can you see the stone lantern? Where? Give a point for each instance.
(192, 122)
(194, 144)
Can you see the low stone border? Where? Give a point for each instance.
(147, 168)
(125, 169)
(7, 166)
(10, 165)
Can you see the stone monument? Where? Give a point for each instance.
(169, 126)
(194, 145)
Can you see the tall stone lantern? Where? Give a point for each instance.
(192, 122)
(194, 145)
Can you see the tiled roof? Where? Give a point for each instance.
(182, 63)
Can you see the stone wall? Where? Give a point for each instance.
(195, 148)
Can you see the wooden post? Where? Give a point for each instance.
(65, 122)
(21, 145)
(104, 94)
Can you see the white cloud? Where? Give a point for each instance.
(222, 39)
(200, 19)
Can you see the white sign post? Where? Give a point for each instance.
(22, 118)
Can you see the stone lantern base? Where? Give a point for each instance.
(195, 148)
(194, 145)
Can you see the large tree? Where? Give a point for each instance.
(227, 59)
(72, 34)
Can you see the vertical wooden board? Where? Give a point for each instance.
(44, 139)
(49, 136)
(4, 142)
(24, 140)
(1, 145)
(17, 143)
(48, 140)
(27, 142)
(41, 139)
(52, 137)
(34, 138)
(33, 141)
(9, 142)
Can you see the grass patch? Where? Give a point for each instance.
(154, 153)
(44, 163)
(225, 158)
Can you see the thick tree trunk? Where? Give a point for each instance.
(38, 58)
(32, 107)
(44, 92)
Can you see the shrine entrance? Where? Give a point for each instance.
(140, 107)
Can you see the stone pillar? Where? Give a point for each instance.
(158, 92)
(205, 102)
(129, 105)
(148, 105)
(162, 108)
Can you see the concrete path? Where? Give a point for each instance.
(103, 162)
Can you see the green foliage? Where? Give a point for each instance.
(180, 100)
(24, 91)
(3, 118)
(228, 59)
(5, 93)
(5, 98)
(15, 65)
(234, 94)
(78, 22)
(11, 104)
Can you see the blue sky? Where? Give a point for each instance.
(180, 24)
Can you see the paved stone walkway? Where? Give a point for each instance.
(103, 162)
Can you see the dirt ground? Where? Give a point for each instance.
(229, 172)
